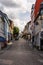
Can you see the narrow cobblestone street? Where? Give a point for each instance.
(21, 54)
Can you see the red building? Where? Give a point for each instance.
(37, 7)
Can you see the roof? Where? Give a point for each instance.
(37, 7)
(4, 16)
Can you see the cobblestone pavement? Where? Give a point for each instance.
(21, 54)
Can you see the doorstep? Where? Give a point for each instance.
(10, 43)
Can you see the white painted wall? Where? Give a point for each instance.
(2, 28)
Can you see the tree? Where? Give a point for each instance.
(15, 31)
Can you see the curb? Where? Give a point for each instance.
(4, 50)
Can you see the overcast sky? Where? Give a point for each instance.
(17, 10)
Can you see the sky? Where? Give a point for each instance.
(17, 10)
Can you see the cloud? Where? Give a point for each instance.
(1, 7)
(9, 3)
(31, 1)
(24, 15)
(17, 10)
(20, 24)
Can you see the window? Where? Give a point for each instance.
(41, 12)
(36, 23)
